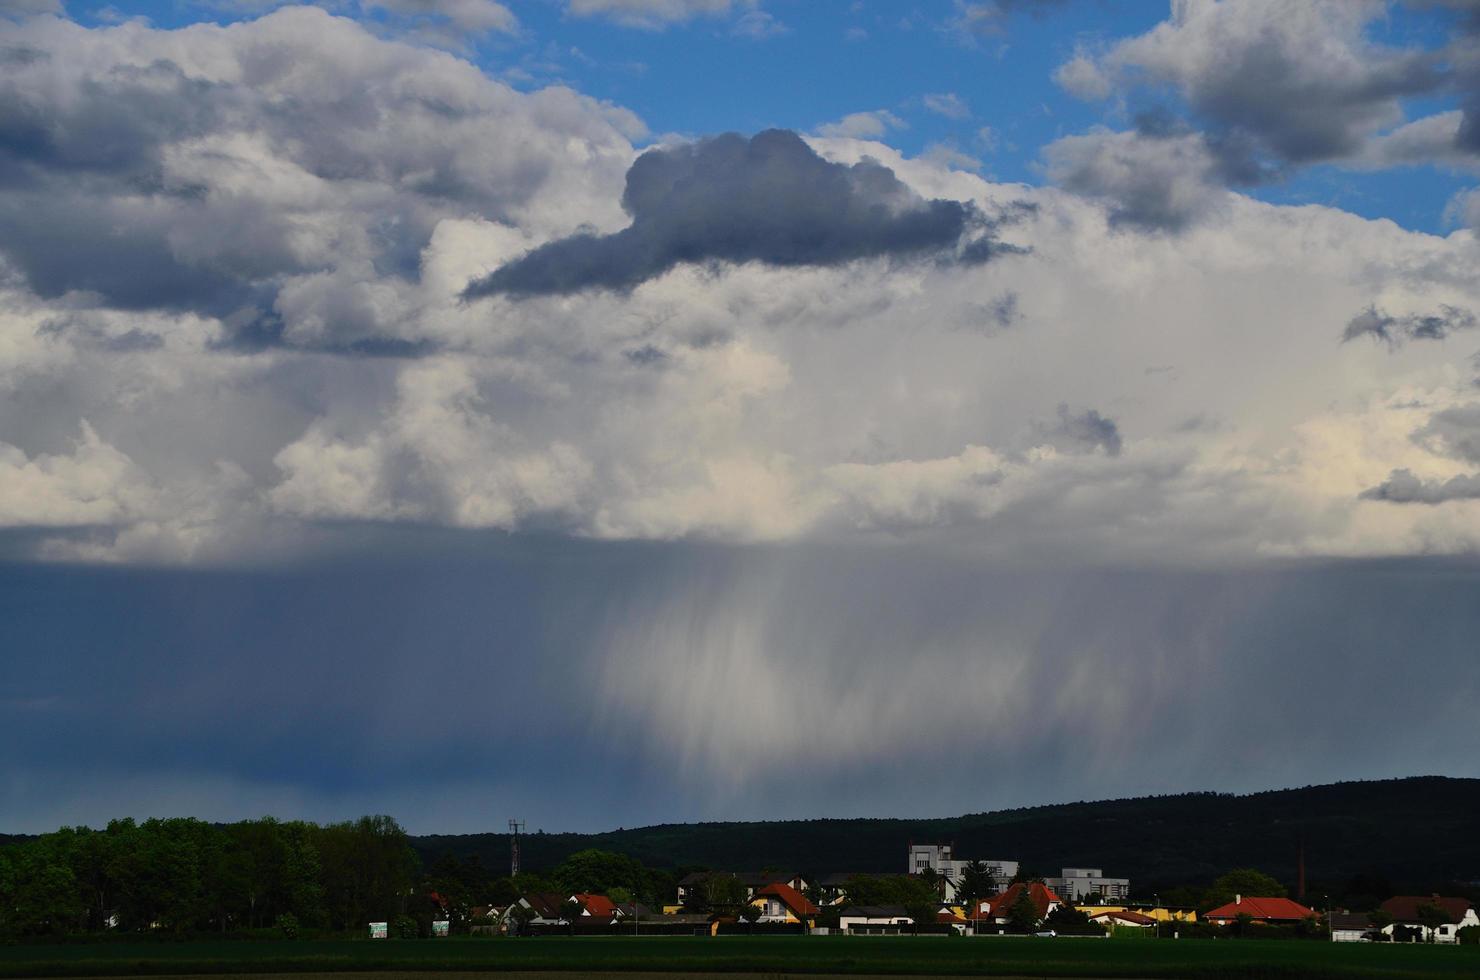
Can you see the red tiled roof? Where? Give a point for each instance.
(1269, 909)
(1041, 894)
(946, 917)
(598, 905)
(791, 898)
(1404, 908)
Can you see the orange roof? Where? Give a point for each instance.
(1041, 894)
(597, 905)
(790, 897)
(1270, 909)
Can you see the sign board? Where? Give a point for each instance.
(439, 927)
(378, 930)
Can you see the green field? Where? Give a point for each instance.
(792, 954)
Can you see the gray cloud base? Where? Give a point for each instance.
(767, 199)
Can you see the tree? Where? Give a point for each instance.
(1379, 919)
(1069, 921)
(921, 913)
(571, 912)
(520, 916)
(750, 913)
(976, 884)
(1242, 881)
(722, 893)
(1431, 917)
(1022, 915)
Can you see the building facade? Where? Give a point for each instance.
(1077, 884)
(940, 859)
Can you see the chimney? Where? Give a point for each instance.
(1238, 899)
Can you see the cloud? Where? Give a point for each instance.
(947, 104)
(28, 8)
(653, 14)
(1297, 84)
(1155, 182)
(1395, 330)
(1403, 487)
(768, 199)
(863, 125)
(471, 16)
(215, 200)
(987, 18)
(1084, 432)
(757, 25)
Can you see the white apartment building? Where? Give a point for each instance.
(938, 858)
(1079, 883)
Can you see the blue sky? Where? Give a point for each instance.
(418, 406)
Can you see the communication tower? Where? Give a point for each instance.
(516, 827)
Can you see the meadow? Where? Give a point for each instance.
(835, 955)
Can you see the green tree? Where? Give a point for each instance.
(1431, 917)
(1242, 881)
(750, 913)
(722, 893)
(1022, 914)
(1379, 919)
(921, 912)
(976, 884)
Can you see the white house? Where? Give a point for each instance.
(1404, 910)
(862, 918)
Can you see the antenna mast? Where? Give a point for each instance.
(516, 827)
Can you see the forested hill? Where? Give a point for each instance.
(1418, 830)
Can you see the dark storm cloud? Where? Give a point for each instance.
(1394, 330)
(767, 199)
(1084, 432)
(1453, 432)
(1403, 487)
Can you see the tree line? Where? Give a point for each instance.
(187, 876)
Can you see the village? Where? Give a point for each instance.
(942, 894)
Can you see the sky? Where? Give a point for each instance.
(612, 412)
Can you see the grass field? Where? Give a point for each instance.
(839, 955)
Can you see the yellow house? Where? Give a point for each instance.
(782, 903)
(1158, 913)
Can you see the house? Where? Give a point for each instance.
(1159, 913)
(873, 918)
(1350, 927)
(834, 887)
(1270, 911)
(1123, 918)
(1404, 910)
(940, 859)
(1077, 884)
(690, 885)
(996, 910)
(779, 902)
(596, 906)
(548, 909)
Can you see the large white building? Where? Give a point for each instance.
(1077, 884)
(938, 858)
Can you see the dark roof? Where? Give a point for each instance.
(875, 912)
(548, 905)
(757, 879)
(837, 878)
(1271, 909)
(1404, 908)
(1350, 920)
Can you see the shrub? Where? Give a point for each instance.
(405, 927)
(287, 924)
(1469, 936)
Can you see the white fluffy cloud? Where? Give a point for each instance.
(1100, 392)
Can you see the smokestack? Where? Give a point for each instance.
(1238, 899)
(1300, 879)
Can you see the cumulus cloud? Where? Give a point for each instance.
(471, 16)
(1276, 85)
(987, 18)
(217, 200)
(769, 199)
(1158, 182)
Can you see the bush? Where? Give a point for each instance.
(1469, 936)
(287, 924)
(404, 927)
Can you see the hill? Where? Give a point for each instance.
(1416, 831)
